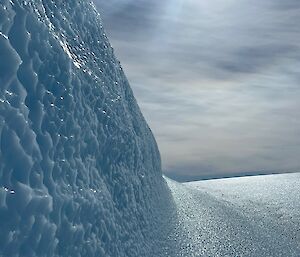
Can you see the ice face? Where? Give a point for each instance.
(80, 171)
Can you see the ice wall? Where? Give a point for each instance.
(79, 168)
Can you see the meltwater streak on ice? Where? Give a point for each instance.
(80, 171)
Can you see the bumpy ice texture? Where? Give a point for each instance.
(79, 168)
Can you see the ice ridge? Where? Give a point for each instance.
(80, 171)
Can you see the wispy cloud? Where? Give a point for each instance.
(218, 81)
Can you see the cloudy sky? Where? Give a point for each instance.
(218, 81)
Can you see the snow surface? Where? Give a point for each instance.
(80, 171)
(249, 216)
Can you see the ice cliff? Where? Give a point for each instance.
(80, 171)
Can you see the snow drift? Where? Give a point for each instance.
(80, 172)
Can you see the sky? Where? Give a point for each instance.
(218, 81)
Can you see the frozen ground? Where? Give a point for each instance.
(250, 216)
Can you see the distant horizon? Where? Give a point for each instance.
(186, 179)
(217, 81)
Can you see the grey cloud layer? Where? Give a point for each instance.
(218, 81)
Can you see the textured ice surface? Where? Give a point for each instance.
(79, 168)
(250, 216)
